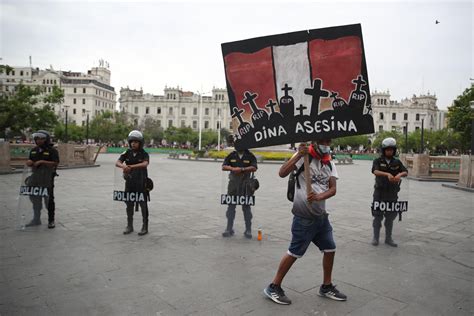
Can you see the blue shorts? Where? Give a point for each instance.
(304, 231)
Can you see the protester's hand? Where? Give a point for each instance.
(302, 149)
(390, 177)
(397, 178)
(314, 197)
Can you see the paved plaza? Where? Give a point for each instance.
(86, 266)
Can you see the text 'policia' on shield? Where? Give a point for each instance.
(298, 86)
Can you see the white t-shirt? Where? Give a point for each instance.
(320, 175)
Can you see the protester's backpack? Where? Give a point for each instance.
(293, 180)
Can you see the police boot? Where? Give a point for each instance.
(229, 231)
(388, 235)
(129, 227)
(375, 240)
(144, 230)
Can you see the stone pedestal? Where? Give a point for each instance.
(66, 154)
(421, 166)
(466, 171)
(5, 157)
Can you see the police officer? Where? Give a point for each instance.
(134, 162)
(43, 159)
(240, 164)
(388, 172)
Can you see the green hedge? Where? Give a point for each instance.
(118, 150)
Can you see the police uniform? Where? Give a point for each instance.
(135, 181)
(238, 185)
(43, 176)
(384, 190)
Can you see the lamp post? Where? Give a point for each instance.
(200, 118)
(422, 149)
(219, 130)
(406, 138)
(65, 128)
(87, 128)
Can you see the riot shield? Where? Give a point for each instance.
(391, 198)
(238, 189)
(36, 185)
(131, 189)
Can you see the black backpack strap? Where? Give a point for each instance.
(299, 171)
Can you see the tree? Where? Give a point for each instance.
(352, 141)
(110, 127)
(152, 130)
(460, 117)
(27, 109)
(74, 132)
(380, 136)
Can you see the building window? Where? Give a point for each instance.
(158, 110)
(394, 116)
(74, 111)
(183, 123)
(44, 81)
(21, 73)
(83, 90)
(218, 125)
(136, 110)
(380, 128)
(218, 112)
(206, 124)
(147, 110)
(195, 124)
(170, 123)
(183, 111)
(417, 128)
(405, 116)
(83, 111)
(394, 128)
(195, 111)
(75, 90)
(206, 111)
(158, 122)
(13, 72)
(170, 111)
(83, 101)
(54, 81)
(381, 116)
(74, 101)
(417, 116)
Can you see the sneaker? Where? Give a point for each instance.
(228, 233)
(276, 294)
(331, 292)
(51, 224)
(248, 234)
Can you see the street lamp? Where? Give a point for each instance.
(87, 128)
(219, 110)
(200, 118)
(65, 129)
(422, 132)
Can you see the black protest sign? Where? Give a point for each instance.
(298, 86)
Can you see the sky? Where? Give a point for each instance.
(151, 44)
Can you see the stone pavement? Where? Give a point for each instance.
(86, 266)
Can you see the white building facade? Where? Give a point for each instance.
(392, 115)
(178, 108)
(84, 93)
